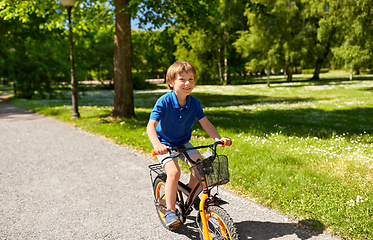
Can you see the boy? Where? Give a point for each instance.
(171, 122)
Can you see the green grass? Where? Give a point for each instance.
(303, 148)
(4, 88)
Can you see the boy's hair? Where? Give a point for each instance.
(177, 68)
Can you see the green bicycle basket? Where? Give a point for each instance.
(216, 172)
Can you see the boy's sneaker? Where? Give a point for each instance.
(171, 218)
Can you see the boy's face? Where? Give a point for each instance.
(183, 84)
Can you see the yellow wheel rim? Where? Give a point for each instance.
(222, 226)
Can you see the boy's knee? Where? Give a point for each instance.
(174, 174)
(173, 170)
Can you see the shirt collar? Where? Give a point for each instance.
(175, 102)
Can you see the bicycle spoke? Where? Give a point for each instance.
(219, 223)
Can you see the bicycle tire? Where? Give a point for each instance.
(160, 200)
(220, 224)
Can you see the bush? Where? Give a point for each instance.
(311, 71)
(139, 82)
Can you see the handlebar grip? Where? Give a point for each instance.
(154, 153)
(225, 142)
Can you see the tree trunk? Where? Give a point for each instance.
(290, 73)
(225, 66)
(219, 64)
(316, 74)
(268, 81)
(320, 61)
(226, 76)
(123, 89)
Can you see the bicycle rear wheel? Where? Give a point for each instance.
(220, 224)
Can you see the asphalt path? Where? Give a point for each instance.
(59, 182)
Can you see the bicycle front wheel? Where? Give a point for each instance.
(220, 224)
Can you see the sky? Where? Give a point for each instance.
(134, 25)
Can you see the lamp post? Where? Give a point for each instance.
(69, 4)
(12, 52)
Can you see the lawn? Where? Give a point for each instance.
(304, 148)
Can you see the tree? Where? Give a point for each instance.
(94, 47)
(344, 29)
(38, 32)
(30, 56)
(200, 49)
(323, 25)
(175, 12)
(90, 11)
(275, 38)
(124, 106)
(152, 51)
(356, 51)
(155, 12)
(207, 41)
(230, 18)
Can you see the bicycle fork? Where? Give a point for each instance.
(204, 220)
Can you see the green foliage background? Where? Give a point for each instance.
(223, 39)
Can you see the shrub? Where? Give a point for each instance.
(311, 71)
(139, 82)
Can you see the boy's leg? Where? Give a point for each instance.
(173, 175)
(193, 180)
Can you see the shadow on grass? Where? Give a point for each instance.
(307, 122)
(212, 100)
(148, 99)
(323, 82)
(257, 230)
(355, 79)
(302, 122)
(367, 89)
(299, 78)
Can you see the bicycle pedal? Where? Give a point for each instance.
(174, 226)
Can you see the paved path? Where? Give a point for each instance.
(58, 182)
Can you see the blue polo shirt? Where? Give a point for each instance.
(175, 122)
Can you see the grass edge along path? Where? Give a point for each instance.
(291, 148)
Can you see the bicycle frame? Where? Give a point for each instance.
(206, 195)
(193, 193)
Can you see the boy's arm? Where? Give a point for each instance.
(212, 132)
(209, 128)
(153, 136)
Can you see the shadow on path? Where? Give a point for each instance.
(8, 111)
(189, 229)
(256, 230)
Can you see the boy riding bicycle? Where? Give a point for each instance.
(170, 124)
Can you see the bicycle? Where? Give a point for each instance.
(214, 223)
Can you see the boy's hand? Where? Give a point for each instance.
(160, 149)
(226, 141)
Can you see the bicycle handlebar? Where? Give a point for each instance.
(182, 148)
